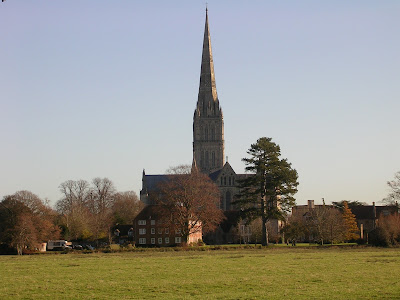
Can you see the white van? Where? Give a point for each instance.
(58, 245)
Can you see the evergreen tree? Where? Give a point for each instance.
(351, 229)
(268, 191)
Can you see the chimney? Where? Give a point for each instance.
(311, 204)
(374, 214)
(374, 209)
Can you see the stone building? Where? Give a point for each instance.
(208, 149)
(208, 136)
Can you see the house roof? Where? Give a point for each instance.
(152, 181)
(148, 212)
(367, 211)
(214, 175)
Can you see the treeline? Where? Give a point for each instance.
(336, 223)
(324, 224)
(86, 211)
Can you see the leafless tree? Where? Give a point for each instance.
(326, 224)
(101, 203)
(73, 207)
(394, 194)
(189, 201)
(390, 228)
(125, 207)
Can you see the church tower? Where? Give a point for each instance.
(208, 121)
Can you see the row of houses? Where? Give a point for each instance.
(150, 229)
(367, 216)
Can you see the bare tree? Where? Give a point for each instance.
(326, 224)
(125, 207)
(73, 207)
(394, 194)
(75, 195)
(390, 228)
(103, 195)
(101, 203)
(190, 201)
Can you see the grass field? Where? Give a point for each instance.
(273, 273)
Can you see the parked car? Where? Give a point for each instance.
(77, 247)
(88, 247)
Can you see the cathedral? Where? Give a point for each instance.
(209, 156)
(208, 136)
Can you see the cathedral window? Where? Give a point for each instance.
(230, 181)
(213, 133)
(207, 159)
(213, 158)
(228, 198)
(233, 180)
(224, 180)
(221, 180)
(202, 158)
(206, 133)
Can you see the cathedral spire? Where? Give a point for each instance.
(208, 122)
(207, 76)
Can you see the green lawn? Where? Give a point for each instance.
(273, 273)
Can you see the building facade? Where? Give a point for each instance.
(208, 120)
(208, 151)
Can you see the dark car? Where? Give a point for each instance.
(88, 247)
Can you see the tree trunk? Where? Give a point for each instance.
(264, 240)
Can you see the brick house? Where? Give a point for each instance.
(367, 216)
(151, 229)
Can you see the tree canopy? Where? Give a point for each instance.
(189, 200)
(26, 221)
(268, 192)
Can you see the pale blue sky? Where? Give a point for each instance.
(107, 88)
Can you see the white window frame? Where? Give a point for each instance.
(153, 231)
(153, 241)
(178, 240)
(141, 222)
(160, 240)
(142, 241)
(178, 231)
(142, 230)
(167, 240)
(152, 222)
(160, 230)
(166, 230)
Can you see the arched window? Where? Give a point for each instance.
(207, 159)
(230, 180)
(212, 133)
(206, 133)
(228, 198)
(202, 158)
(213, 158)
(224, 180)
